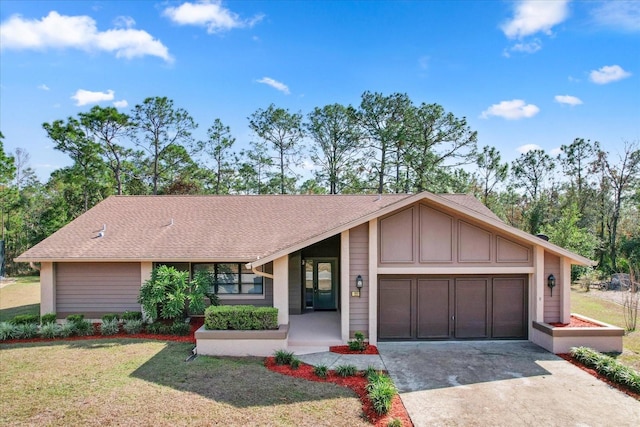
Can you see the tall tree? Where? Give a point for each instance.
(161, 127)
(107, 127)
(491, 171)
(217, 149)
(531, 171)
(576, 160)
(283, 130)
(254, 170)
(335, 132)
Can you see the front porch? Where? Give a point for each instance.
(314, 331)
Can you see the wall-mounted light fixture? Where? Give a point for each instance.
(359, 285)
(551, 282)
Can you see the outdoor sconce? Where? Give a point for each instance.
(359, 285)
(551, 282)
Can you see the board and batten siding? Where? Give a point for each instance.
(359, 265)
(97, 288)
(552, 303)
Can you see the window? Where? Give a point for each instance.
(232, 278)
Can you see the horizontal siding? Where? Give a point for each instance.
(359, 265)
(552, 303)
(95, 288)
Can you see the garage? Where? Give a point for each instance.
(461, 307)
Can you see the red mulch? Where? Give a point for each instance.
(195, 324)
(622, 388)
(355, 383)
(575, 323)
(344, 349)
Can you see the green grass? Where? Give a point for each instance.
(21, 296)
(120, 381)
(609, 312)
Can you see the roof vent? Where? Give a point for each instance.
(543, 237)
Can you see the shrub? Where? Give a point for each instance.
(50, 330)
(295, 363)
(381, 391)
(131, 315)
(346, 370)
(26, 330)
(67, 329)
(180, 328)
(75, 318)
(48, 318)
(283, 357)
(158, 328)
(357, 344)
(321, 371)
(608, 366)
(133, 326)
(24, 319)
(7, 331)
(84, 328)
(109, 326)
(240, 317)
(394, 423)
(110, 316)
(369, 372)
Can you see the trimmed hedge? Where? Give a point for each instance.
(608, 366)
(26, 319)
(240, 317)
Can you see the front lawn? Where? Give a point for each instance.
(609, 312)
(19, 296)
(138, 382)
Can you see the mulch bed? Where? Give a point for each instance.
(591, 371)
(575, 323)
(355, 383)
(344, 349)
(195, 324)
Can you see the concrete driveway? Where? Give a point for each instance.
(500, 383)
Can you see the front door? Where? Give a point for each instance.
(320, 283)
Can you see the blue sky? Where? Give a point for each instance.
(525, 74)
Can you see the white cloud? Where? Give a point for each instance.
(618, 15)
(528, 147)
(77, 32)
(556, 151)
(608, 74)
(511, 110)
(121, 104)
(210, 14)
(275, 84)
(124, 22)
(43, 87)
(84, 97)
(533, 16)
(568, 99)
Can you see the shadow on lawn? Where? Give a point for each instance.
(240, 382)
(7, 314)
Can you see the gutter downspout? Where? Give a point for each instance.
(258, 272)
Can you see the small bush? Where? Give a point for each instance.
(240, 317)
(295, 363)
(608, 366)
(180, 328)
(26, 330)
(110, 316)
(131, 315)
(67, 329)
(48, 318)
(369, 372)
(133, 326)
(75, 318)
(357, 344)
(158, 328)
(321, 371)
(394, 423)
(346, 370)
(24, 319)
(283, 357)
(109, 327)
(50, 330)
(7, 331)
(381, 391)
(84, 328)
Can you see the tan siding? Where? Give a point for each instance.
(95, 288)
(359, 265)
(552, 303)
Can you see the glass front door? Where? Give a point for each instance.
(320, 284)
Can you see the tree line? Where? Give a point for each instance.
(585, 198)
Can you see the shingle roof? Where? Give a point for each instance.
(240, 228)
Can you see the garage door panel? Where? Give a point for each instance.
(395, 305)
(508, 308)
(433, 309)
(471, 308)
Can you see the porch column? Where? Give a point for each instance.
(373, 281)
(565, 290)
(47, 288)
(281, 288)
(344, 286)
(539, 284)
